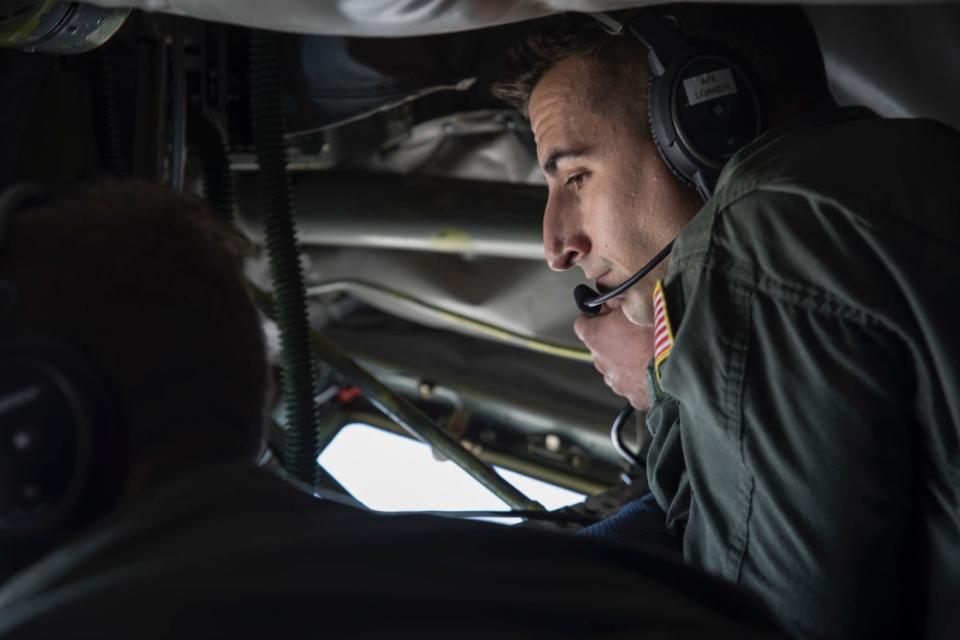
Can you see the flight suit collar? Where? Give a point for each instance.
(782, 132)
(737, 178)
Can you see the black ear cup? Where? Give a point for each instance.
(62, 444)
(63, 447)
(715, 107)
(658, 133)
(702, 110)
(703, 102)
(44, 446)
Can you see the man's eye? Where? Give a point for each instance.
(576, 180)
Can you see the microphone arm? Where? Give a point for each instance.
(589, 301)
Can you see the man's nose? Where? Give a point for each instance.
(564, 241)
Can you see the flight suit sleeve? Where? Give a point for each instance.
(793, 414)
(825, 435)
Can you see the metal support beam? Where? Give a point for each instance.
(417, 213)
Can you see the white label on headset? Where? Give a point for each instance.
(708, 86)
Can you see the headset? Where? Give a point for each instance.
(62, 436)
(703, 105)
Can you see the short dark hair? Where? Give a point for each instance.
(778, 41)
(574, 34)
(148, 285)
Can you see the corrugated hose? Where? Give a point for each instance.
(276, 205)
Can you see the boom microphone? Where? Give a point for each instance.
(589, 301)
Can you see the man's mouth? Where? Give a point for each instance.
(602, 286)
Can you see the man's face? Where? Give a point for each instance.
(613, 204)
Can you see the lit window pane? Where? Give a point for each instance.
(388, 472)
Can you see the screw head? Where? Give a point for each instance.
(552, 442)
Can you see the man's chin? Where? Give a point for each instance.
(638, 310)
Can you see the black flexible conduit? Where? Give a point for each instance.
(106, 114)
(208, 141)
(275, 195)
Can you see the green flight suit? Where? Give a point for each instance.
(806, 421)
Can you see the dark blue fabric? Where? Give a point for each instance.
(637, 519)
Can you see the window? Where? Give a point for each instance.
(388, 472)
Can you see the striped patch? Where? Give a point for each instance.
(662, 331)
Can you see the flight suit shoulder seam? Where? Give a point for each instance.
(783, 290)
(844, 201)
(797, 295)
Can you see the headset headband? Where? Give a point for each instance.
(703, 103)
(663, 44)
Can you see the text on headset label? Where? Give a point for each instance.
(708, 86)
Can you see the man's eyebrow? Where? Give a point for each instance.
(556, 155)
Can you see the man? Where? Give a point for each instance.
(805, 407)
(201, 542)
